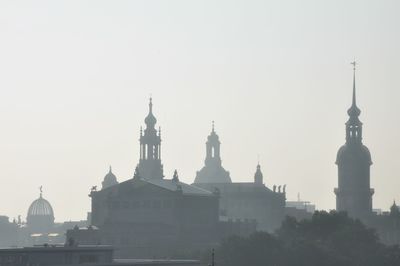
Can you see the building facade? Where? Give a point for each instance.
(149, 216)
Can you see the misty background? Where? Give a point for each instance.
(75, 78)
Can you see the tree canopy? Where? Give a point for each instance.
(327, 239)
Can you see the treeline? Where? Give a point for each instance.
(328, 239)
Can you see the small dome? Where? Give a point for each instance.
(109, 180)
(150, 119)
(347, 152)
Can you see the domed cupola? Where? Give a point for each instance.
(109, 180)
(40, 215)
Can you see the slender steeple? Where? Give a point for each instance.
(354, 193)
(150, 148)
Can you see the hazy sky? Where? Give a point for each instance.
(75, 78)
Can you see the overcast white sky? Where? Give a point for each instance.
(75, 78)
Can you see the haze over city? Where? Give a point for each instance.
(275, 77)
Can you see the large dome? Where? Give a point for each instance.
(40, 215)
(40, 207)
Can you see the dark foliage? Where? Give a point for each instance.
(327, 239)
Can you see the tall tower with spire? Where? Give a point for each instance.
(213, 172)
(353, 193)
(150, 166)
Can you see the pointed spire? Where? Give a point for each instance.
(110, 171)
(213, 126)
(41, 191)
(354, 111)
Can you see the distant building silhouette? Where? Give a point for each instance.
(148, 215)
(244, 201)
(354, 194)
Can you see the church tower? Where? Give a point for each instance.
(354, 194)
(213, 172)
(150, 166)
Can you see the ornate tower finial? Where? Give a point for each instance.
(110, 170)
(41, 190)
(213, 126)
